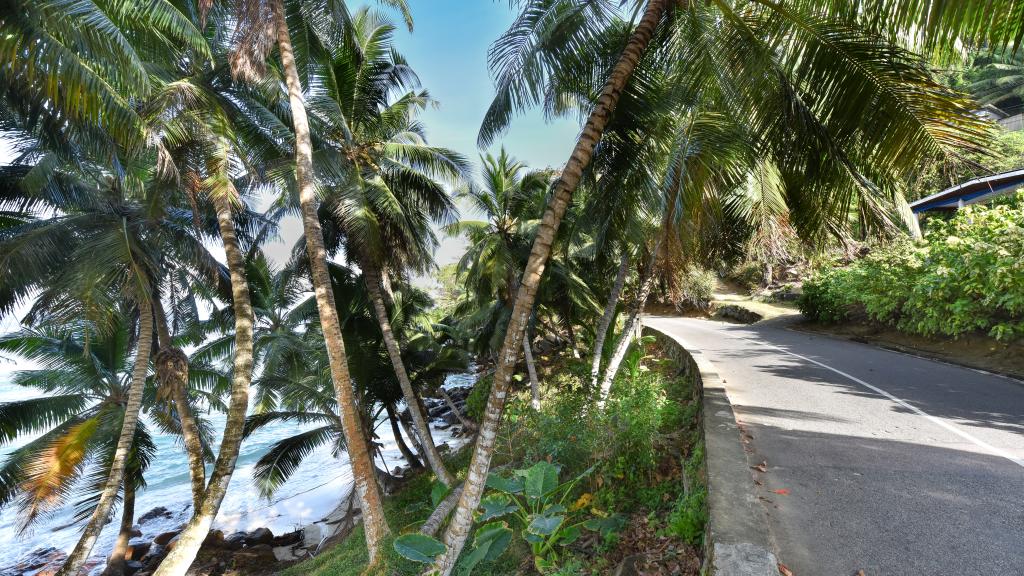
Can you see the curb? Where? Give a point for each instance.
(736, 540)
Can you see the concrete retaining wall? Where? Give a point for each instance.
(736, 540)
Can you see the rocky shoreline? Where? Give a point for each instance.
(259, 551)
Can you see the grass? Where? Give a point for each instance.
(640, 448)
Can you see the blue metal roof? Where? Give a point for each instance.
(971, 192)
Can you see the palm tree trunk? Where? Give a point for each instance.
(396, 431)
(362, 464)
(465, 422)
(627, 336)
(101, 513)
(373, 285)
(115, 564)
(570, 332)
(190, 540)
(608, 316)
(458, 530)
(531, 369)
(172, 374)
(411, 435)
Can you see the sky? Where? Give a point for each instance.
(448, 50)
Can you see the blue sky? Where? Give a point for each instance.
(448, 50)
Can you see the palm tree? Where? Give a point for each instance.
(383, 194)
(810, 78)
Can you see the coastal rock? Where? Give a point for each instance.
(155, 513)
(312, 535)
(260, 536)
(235, 540)
(37, 560)
(289, 539)
(132, 566)
(164, 538)
(153, 557)
(254, 559)
(136, 532)
(215, 539)
(137, 549)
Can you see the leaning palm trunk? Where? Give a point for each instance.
(101, 513)
(466, 423)
(531, 369)
(627, 336)
(189, 541)
(458, 530)
(172, 375)
(360, 458)
(116, 562)
(606, 318)
(410, 458)
(373, 284)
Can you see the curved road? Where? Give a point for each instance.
(875, 460)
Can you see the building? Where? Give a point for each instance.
(973, 191)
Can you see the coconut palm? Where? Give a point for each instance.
(381, 175)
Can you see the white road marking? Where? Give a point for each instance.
(976, 441)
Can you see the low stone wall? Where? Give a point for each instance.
(736, 537)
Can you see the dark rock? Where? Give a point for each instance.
(288, 539)
(215, 539)
(153, 557)
(158, 512)
(135, 533)
(132, 566)
(260, 536)
(254, 559)
(737, 313)
(235, 541)
(137, 549)
(41, 559)
(164, 538)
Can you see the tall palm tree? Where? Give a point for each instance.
(384, 194)
(819, 88)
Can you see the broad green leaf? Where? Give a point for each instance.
(438, 492)
(540, 479)
(569, 535)
(495, 506)
(507, 485)
(490, 541)
(544, 525)
(418, 547)
(605, 525)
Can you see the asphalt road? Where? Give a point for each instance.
(876, 461)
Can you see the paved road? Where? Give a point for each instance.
(894, 465)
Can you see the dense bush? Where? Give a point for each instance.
(694, 289)
(967, 275)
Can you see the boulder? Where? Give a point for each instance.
(41, 559)
(164, 538)
(131, 567)
(158, 512)
(260, 536)
(289, 539)
(235, 540)
(256, 558)
(136, 532)
(153, 557)
(137, 549)
(215, 539)
(312, 535)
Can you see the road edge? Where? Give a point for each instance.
(736, 541)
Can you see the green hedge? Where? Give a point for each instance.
(967, 275)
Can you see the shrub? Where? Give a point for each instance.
(694, 288)
(967, 275)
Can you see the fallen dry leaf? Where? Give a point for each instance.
(782, 491)
(762, 467)
(784, 570)
(860, 573)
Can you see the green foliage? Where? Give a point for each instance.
(690, 514)
(966, 276)
(476, 402)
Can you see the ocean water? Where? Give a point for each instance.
(312, 492)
